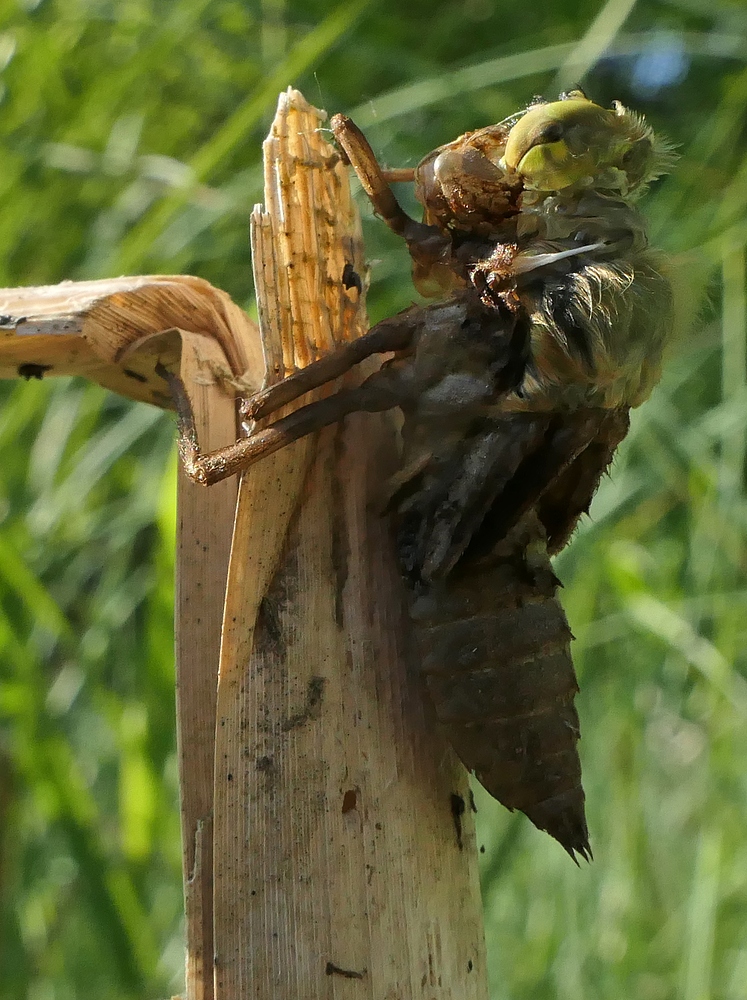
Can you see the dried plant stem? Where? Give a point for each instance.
(118, 332)
(344, 864)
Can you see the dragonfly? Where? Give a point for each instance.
(548, 320)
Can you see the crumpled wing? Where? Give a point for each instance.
(570, 495)
(472, 499)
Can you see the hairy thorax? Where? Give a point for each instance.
(585, 296)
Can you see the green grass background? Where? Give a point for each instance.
(130, 136)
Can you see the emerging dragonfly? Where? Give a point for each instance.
(550, 317)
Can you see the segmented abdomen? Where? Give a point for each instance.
(494, 647)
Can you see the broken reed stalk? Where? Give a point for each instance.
(327, 848)
(343, 866)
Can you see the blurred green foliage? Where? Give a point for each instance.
(130, 139)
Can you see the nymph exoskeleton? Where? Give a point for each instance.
(515, 388)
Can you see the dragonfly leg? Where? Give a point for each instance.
(375, 181)
(378, 392)
(428, 246)
(394, 334)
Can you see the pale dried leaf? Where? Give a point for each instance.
(103, 330)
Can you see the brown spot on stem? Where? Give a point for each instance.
(457, 811)
(29, 370)
(335, 970)
(311, 710)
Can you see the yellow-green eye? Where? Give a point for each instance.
(576, 142)
(562, 143)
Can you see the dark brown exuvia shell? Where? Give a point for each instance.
(494, 649)
(461, 185)
(492, 639)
